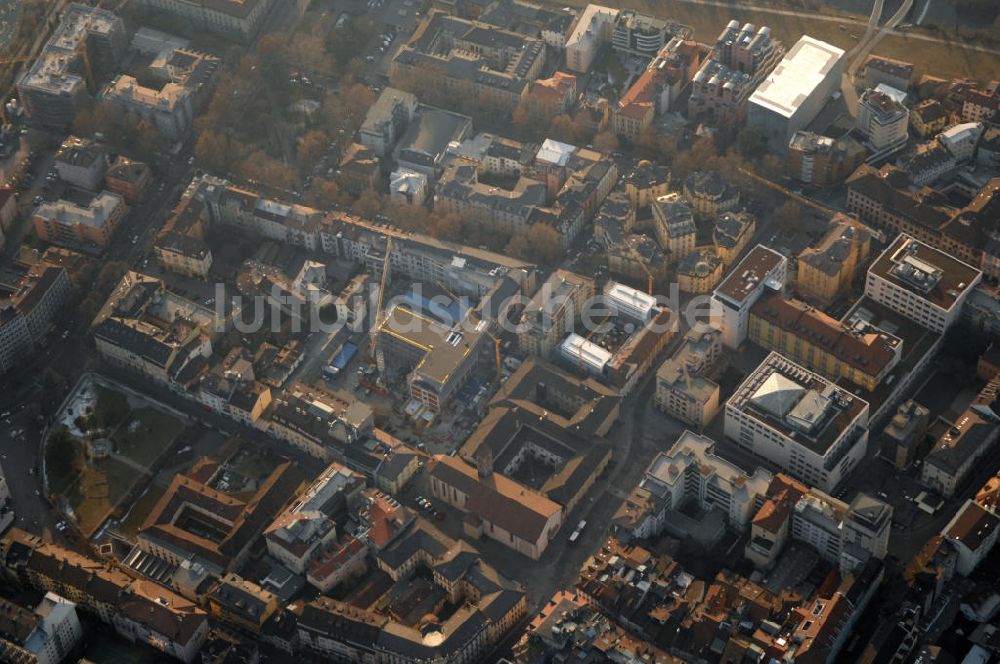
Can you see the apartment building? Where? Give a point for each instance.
(673, 221)
(922, 283)
(731, 233)
(594, 28)
(297, 535)
(387, 119)
(958, 446)
(682, 388)
(973, 532)
(87, 45)
(821, 160)
(827, 270)
(180, 244)
(799, 421)
(657, 89)
(878, 70)
(81, 162)
(168, 108)
(27, 309)
(699, 272)
(145, 328)
(87, 226)
(760, 270)
(238, 19)
(708, 193)
(886, 199)
(646, 182)
(691, 471)
(138, 610)
(128, 178)
(846, 534)
(317, 421)
(902, 441)
(928, 118)
(823, 344)
(740, 60)
(553, 311)
(883, 121)
(47, 635)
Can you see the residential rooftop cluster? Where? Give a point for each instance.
(520, 332)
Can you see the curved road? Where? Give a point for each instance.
(864, 47)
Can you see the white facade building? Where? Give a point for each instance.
(594, 28)
(629, 302)
(795, 92)
(961, 140)
(761, 269)
(586, 355)
(691, 470)
(922, 283)
(799, 421)
(973, 531)
(883, 121)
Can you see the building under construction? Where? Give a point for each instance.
(86, 47)
(437, 360)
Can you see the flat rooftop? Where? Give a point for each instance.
(925, 271)
(869, 316)
(745, 277)
(799, 73)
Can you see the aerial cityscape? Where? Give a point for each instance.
(500, 331)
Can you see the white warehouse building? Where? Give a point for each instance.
(795, 92)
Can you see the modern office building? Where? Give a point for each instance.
(804, 424)
(584, 355)
(436, 360)
(630, 302)
(760, 270)
(795, 92)
(922, 283)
